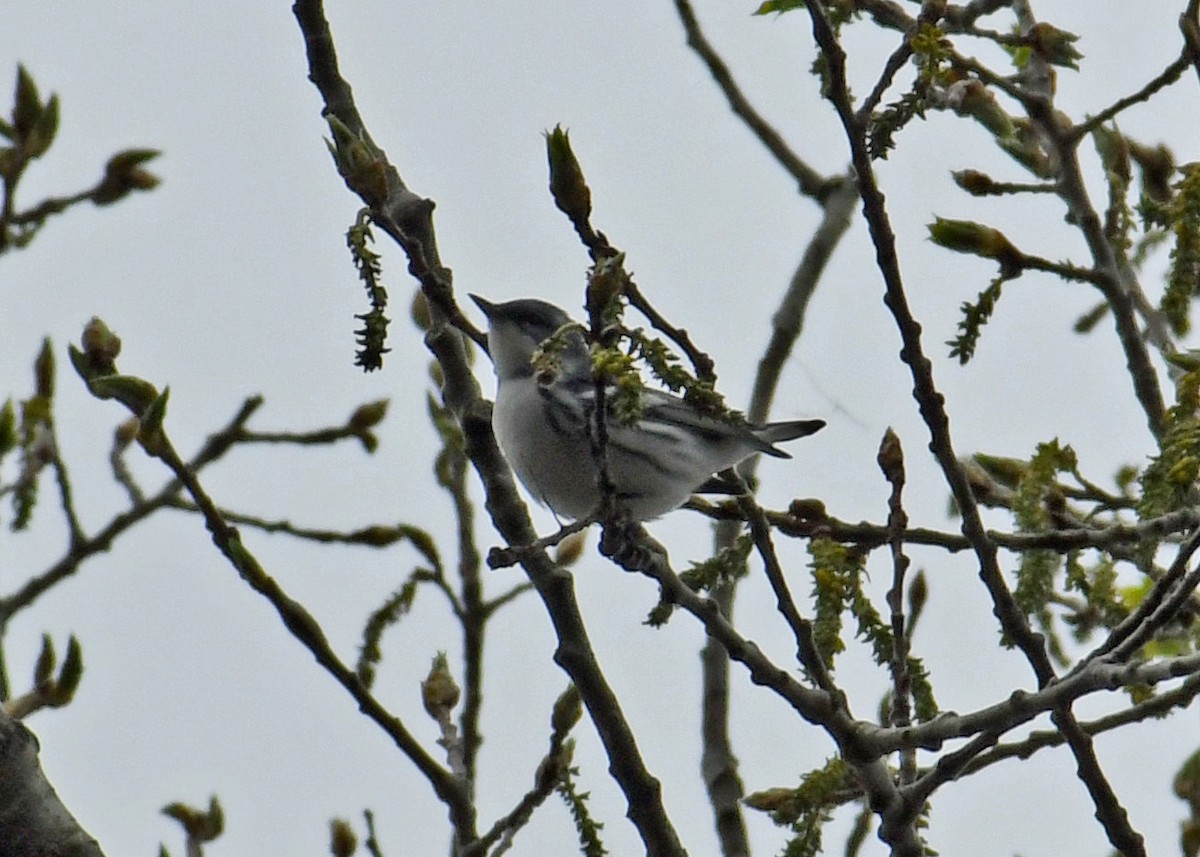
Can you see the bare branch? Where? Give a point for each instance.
(811, 182)
(407, 217)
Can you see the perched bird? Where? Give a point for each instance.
(543, 423)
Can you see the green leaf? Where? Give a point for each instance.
(43, 669)
(1055, 46)
(43, 371)
(123, 174)
(150, 432)
(768, 7)
(27, 104)
(43, 131)
(134, 393)
(69, 676)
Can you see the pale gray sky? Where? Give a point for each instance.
(232, 279)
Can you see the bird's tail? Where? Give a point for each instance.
(773, 433)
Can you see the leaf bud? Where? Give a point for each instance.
(43, 371)
(967, 236)
(971, 98)
(124, 174)
(368, 415)
(439, 693)
(567, 184)
(342, 841)
(1055, 46)
(100, 346)
(568, 708)
(570, 549)
(975, 182)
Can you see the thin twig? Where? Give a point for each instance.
(1156, 706)
(100, 541)
(1165, 78)
(805, 523)
(810, 182)
(1158, 608)
(891, 462)
(305, 628)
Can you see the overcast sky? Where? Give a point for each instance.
(232, 279)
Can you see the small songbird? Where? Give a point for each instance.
(544, 424)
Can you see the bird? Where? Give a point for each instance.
(543, 423)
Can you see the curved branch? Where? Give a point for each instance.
(811, 182)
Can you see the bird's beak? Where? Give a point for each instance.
(485, 305)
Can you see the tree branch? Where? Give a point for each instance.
(407, 218)
(811, 183)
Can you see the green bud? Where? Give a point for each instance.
(1158, 168)
(201, 825)
(123, 174)
(1187, 781)
(125, 433)
(971, 98)
(567, 184)
(808, 509)
(43, 371)
(359, 161)
(570, 549)
(1025, 146)
(419, 311)
(437, 374)
(69, 676)
(101, 347)
(918, 594)
(41, 135)
(967, 236)
(974, 182)
(1007, 471)
(891, 457)
(134, 393)
(1055, 46)
(368, 415)
(1184, 471)
(770, 800)
(568, 708)
(342, 841)
(1189, 361)
(1114, 152)
(377, 536)
(27, 105)
(439, 693)
(43, 668)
